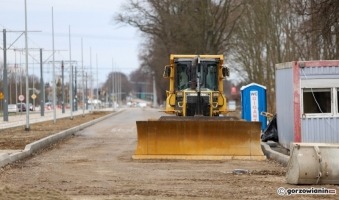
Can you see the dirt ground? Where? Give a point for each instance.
(96, 164)
(18, 137)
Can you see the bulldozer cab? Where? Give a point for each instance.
(195, 85)
(187, 73)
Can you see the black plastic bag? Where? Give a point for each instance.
(271, 131)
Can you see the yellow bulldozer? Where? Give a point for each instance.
(199, 128)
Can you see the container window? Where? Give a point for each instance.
(317, 100)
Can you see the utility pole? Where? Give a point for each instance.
(75, 90)
(5, 84)
(54, 84)
(90, 80)
(5, 74)
(86, 93)
(113, 86)
(42, 88)
(97, 80)
(62, 88)
(83, 80)
(27, 91)
(63, 77)
(16, 79)
(71, 75)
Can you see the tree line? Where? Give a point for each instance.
(252, 35)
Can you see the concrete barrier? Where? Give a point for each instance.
(313, 163)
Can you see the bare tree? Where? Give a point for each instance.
(107, 87)
(254, 35)
(320, 27)
(198, 26)
(264, 36)
(180, 27)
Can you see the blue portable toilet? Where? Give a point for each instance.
(253, 101)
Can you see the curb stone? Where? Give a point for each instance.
(274, 155)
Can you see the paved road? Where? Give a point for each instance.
(96, 164)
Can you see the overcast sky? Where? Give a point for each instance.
(88, 19)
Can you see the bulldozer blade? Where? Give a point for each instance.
(198, 140)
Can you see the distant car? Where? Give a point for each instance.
(31, 107)
(21, 107)
(48, 105)
(142, 104)
(12, 108)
